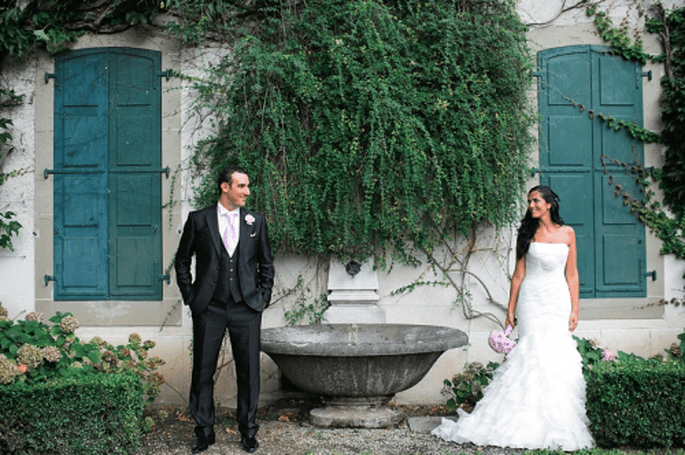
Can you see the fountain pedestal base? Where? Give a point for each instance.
(365, 412)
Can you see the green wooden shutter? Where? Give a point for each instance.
(107, 175)
(135, 179)
(80, 159)
(620, 243)
(574, 80)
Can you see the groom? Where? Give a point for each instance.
(234, 275)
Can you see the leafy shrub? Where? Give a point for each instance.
(675, 351)
(31, 351)
(95, 414)
(637, 402)
(466, 388)
(592, 354)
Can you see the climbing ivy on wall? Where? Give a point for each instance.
(366, 124)
(9, 227)
(672, 175)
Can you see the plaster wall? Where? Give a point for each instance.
(631, 326)
(17, 193)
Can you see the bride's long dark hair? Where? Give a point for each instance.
(529, 225)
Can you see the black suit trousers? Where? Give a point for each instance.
(244, 326)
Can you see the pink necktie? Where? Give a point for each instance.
(230, 235)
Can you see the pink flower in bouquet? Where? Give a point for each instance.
(500, 342)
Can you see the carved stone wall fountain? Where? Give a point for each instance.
(353, 294)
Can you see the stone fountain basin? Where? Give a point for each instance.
(358, 360)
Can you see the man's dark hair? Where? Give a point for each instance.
(226, 175)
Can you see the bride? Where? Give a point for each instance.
(537, 397)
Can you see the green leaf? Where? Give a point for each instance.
(41, 36)
(94, 356)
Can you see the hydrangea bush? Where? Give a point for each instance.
(32, 351)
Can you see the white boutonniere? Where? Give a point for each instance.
(249, 219)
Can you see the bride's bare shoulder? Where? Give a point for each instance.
(568, 234)
(567, 230)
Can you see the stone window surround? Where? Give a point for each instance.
(167, 311)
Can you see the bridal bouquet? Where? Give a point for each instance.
(500, 342)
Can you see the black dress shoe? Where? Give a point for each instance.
(203, 443)
(250, 444)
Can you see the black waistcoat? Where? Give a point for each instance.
(228, 285)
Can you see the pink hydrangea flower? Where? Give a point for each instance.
(608, 356)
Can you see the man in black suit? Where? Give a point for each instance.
(233, 281)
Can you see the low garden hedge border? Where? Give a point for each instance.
(637, 404)
(95, 414)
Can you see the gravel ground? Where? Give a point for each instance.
(285, 431)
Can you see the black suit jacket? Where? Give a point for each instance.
(201, 237)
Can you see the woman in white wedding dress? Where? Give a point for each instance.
(536, 399)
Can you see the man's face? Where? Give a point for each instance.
(235, 194)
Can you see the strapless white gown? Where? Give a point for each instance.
(536, 399)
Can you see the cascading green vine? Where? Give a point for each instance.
(9, 227)
(672, 174)
(368, 125)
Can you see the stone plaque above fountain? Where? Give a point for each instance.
(353, 294)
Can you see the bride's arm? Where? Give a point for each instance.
(516, 280)
(572, 280)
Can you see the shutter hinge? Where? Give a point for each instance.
(166, 74)
(536, 73)
(47, 172)
(49, 76)
(652, 274)
(647, 74)
(48, 278)
(165, 171)
(166, 278)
